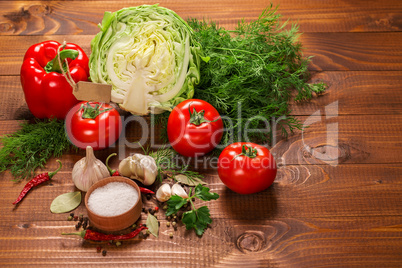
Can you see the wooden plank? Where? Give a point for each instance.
(299, 191)
(331, 51)
(312, 215)
(326, 139)
(331, 139)
(44, 18)
(282, 243)
(291, 242)
(357, 93)
(353, 51)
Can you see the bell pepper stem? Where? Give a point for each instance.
(54, 66)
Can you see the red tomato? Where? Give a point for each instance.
(246, 167)
(194, 128)
(93, 124)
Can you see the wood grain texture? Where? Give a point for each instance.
(354, 93)
(336, 200)
(331, 51)
(355, 190)
(312, 216)
(68, 17)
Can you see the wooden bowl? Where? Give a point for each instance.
(118, 222)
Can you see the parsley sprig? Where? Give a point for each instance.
(197, 219)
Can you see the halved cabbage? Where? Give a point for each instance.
(148, 55)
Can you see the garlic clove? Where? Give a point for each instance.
(178, 190)
(163, 193)
(124, 168)
(140, 167)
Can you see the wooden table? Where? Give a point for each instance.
(336, 201)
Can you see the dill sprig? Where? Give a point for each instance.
(250, 74)
(31, 146)
(166, 161)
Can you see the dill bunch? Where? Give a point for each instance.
(30, 147)
(250, 74)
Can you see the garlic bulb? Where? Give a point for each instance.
(140, 167)
(178, 190)
(88, 170)
(164, 193)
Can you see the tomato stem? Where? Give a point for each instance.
(91, 112)
(248, 151)
(197, 118)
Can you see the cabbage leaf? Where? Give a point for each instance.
(149, 56)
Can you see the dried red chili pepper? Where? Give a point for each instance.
(96, 236)
(36, 181)
(116, 173)
(146, 191)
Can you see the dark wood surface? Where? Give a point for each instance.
(336, 201)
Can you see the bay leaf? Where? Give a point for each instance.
(66, 202)
(153, 225)
(193, 181)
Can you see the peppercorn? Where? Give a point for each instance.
(143, 209)
(75, 218)
(81, 217)
(151, 211)
(168, 224)
(156, 209)
(173, 223)
(171, 235)
(78, 225)
(85, 225)
(134, 226)
(148, 196)
(70, 218)
(98, 249)
(165, 207)
(104, 252)
(118, 243)
(72, 214)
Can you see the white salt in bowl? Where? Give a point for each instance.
(115, 205)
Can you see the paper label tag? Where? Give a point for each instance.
(88, 91)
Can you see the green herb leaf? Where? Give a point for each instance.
(189, 218)
(174, 203)
(197, 219)
(66, 202)
(203, 215)
(251, 73)
(203, 193)
(153, 225)
(30, 147)
(187, 180)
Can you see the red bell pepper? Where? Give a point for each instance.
(47, 92)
